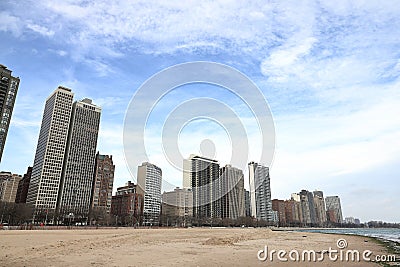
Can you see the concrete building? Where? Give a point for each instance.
(178, 203)
(279, 206)
(103, 182)
(334, 209)
(320, 210)
(50, 152)
(127, 204)
(78, 173)
(8, 92)
(206, 186)
(308, 207)
(260, 192)
(350, 220)
(149, 182)
(232, 186)
(23, 187)
(9, 186)
(247, 203)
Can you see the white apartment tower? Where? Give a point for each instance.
(260, 192)
(50, 151)
(78, 173)
(149, 180)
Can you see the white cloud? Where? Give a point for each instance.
(10, 23)
(40, 29)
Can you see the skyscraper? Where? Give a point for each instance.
(50, 151)
(320, 212)
(206, 186)
(247, 203)
(8, 92)
(149, 182)
(103, 182)
(260, 192)
(308, 207)
(232, 186)
(334, 209)
(78, 173)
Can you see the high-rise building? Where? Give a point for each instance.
(308, 207)
(260, 192)
(247, 203)
(23, 187)
(8, 92)
(178, 203)
(206, 186)
(50, 152)
(232, 186)
(103, 182)
(320, 211)
(149, 181)
(334, 209)
(293, 213)
(127, 203)
(9, 186)
(78, 174)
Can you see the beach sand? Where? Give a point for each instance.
(167, 247)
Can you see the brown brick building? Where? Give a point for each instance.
(103, 182)
(23, 187)
(279, 206)
(127, 204)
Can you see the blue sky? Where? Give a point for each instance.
(329, 71)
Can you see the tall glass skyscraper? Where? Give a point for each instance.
(8, 91)
(260, 192)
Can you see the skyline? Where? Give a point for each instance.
(330, 73)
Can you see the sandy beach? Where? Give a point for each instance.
(168, 247)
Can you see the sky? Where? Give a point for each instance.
(330, 72)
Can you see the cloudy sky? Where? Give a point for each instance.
(329, 71)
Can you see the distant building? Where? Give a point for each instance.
(320, 211)
(103, 182)
(23, 187)
(178, 203)
(260, 192)
(357, 221)
(349, 220)
(308, 207)
(8, 186)
(149, 182)
(247, 203)
(232, 188)
(127, 203)
(279, 206)
(8, 92)
(79, 166)
(50, 152)
(334, 209)
(203, 176)
(293, 212)
(275, 216)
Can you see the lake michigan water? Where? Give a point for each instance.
(390, 234)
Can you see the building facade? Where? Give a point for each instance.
(9, 186)
(127, 204)
(308, 207)
(8, 92)
(178, 204)
(334, 209)
(50, 152)
(23, 187)
(320, 210)
(78, 173)
(103, 182)
(260, 192)
(149, 183)
(232, 186)
(279, 206)
(247, 203)
(206, 187)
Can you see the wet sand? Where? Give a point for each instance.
(168, 247)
